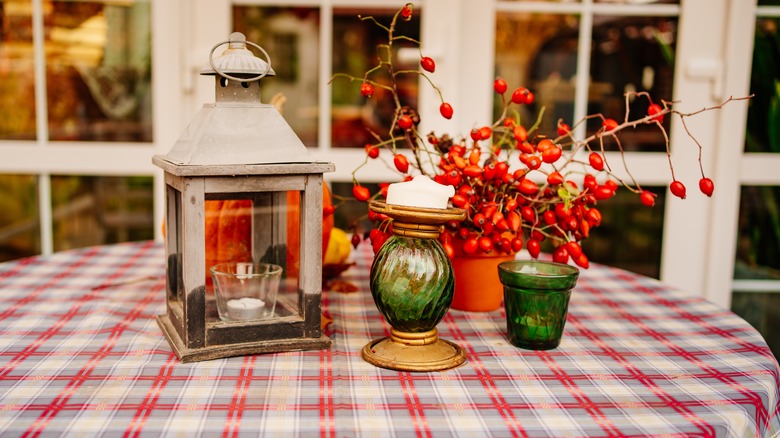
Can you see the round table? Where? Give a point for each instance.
(81, 354)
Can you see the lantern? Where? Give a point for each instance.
(244, 216)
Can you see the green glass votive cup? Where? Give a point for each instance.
(536, 300)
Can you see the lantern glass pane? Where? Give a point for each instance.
(256, 227)
(98, 70)
(291, 36)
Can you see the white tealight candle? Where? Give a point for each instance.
(420, 192)
(245, 309)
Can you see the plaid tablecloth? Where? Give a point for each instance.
(81, 354)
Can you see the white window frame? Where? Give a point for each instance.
(699, 234)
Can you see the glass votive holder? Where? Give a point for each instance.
(246, 291)
(536, 300)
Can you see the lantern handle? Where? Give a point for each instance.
(227, 76)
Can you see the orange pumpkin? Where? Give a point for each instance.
(229, 231)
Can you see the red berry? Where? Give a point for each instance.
(517, 244)
(372, 151)
(575, 250)
(446, 110)
(472, 171)
(520, 133)
(401, 163)
(476, 135)
(528, 187)
(706, 186)
(485, 244)
(596, 161)
(367, 90)
(360, 193)
(551, 154)
(534, 248)
(499, 86)
(603, 192)
(406, 12)
(528, 214)
(593, 217)
(678, 189)
(647, 198)
(554, 179)
(405, 122)
(470, 246)
(328, 210)
(582, 261)
(520, 95)
(356, 240)
(428, 64)
(563, 128)
(654, 109)
(485, 132)
(561, 254)
(609, 124)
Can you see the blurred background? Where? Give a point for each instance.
(90, 90)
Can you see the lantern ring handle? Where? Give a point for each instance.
(227, 76)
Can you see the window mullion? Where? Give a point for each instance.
(42, 126)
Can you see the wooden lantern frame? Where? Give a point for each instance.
(190, 324)
(240, 148)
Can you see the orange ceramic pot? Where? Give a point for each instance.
(477, 287)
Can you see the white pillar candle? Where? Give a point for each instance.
(420, 192)
(245, 309)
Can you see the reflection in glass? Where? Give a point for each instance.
(17, 86)
(762, 311)
(19, 221)
(539, 51)
(290, 35)
(631, 54)
(98, 70)
(630, 234)
(763, 134)
(90, 210)
(354, 53)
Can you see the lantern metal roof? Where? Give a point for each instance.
(237, 129)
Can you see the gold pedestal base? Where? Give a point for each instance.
(405, 351)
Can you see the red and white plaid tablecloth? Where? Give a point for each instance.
(81, 354)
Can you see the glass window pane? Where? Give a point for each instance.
(545, 62)
(631, 54)
(92, 210)
(639, 2)
(763, 132)
(291, 36)
(17, 87)
(762, 311)
(548, 1)
(98, 70)
(20, 228)
(769, 2)
(355, 52)
(758, 235)
(630, 234)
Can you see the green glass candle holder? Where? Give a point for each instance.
(412, 283)
(536, 300)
